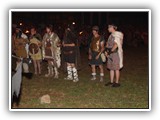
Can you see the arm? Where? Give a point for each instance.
(58, 42)
(108, 51)
(89, 52)
(43, 47)
(114, 47)
(101, 51)
(102, 48)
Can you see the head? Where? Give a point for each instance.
(18, 30)
(33, 31)
(112, 28)
(67, 30)
(95, 30)
(49, 28)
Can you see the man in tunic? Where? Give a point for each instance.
(51, 51)
(69, 51)
(95, 50)
(114, 52)
(20, 48)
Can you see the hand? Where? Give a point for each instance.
(89, 57)
(106, 54)
(64, 45)
(97, 57)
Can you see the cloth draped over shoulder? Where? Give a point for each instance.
(50, 48)
(119, 40)
(54, 40)
(16, 80)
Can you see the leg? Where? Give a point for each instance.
(39, 66)
(116, 84)
(101, 73)
(35, 66)
(75, 74)
(50, 69)
(93, 72)
(56, 72)
(54, 64)
(112, 76)
(117, 76)
(69, 72)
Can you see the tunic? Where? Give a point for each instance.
(115, 60)
(95, 49)
(69, 52)
(19, 47)
(50, 48)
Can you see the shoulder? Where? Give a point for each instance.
(117, 34)
(45, 35)
(55, 35)
(38, 35)
(24, 36)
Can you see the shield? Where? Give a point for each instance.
(33, 48)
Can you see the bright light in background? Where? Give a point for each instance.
(80, 32)
(27, 31)
(73, 23)
(20, 24)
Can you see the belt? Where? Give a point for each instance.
(69, 52)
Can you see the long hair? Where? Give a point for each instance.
(18, 35)
(69, 36)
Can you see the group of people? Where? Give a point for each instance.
(49, 47)
(112, 50)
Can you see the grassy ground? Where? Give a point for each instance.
(133, 92)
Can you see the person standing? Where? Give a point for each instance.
(114, 52)
(51, 51)
(95, 50)
(69, 51)
(35, 50)
(20, 48)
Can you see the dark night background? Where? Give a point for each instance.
(86, 18)
(130, 23)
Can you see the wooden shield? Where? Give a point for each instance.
(33, 48)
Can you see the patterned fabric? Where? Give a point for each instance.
(50, 48)
(113, 62)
